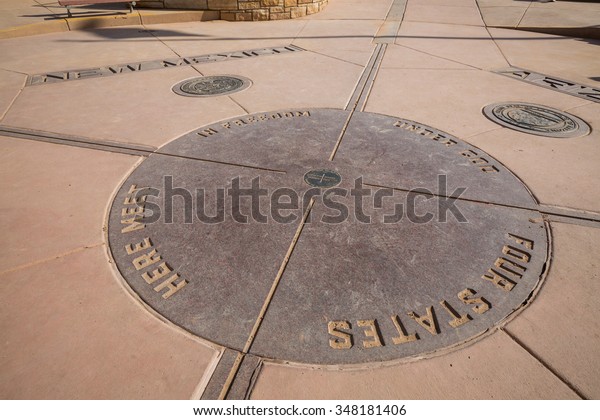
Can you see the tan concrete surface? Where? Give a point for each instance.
(353, 9)
(549, 166)
(66, 317)
(28, 17)
(471, 45)
(271, 89)
(570, 58)
(495, 368)
(70, 331)
(52, 200)
(349, 40)
(437, 13)
(11, 84)
(504, 16)
(120, 118)
(572, 14)
(191, 39)
(561, 326)
(573, 18)
(81, 49)
(461, 91)
(399, 57)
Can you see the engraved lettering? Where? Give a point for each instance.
(481, 305)
(135, 248)
(89, 73)
(171, 285)
(126, 68)
(479, 161)
(145, 260)
(457, 319)
(150, 65)
(207, 132)
(131, 198)
(528, 244)
(37, 79)
(430, 134)
(557, 83)
(475, 159)
(162, 270)
(509, 267)
(444, 140)
(129, 211)
(264, 117)
(133, 224)
(521, 74)
(53, 77)
(372, 332)
(403, 337)
(429, 321)
(499, 280)
(489, 168)
(590, 93)
(175, 63)
(516, 253)
(343, 339)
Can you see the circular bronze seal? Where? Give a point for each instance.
(211, 86)
(536, 119)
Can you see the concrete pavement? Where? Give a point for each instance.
(74, 326)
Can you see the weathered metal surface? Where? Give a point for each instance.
(404, 256)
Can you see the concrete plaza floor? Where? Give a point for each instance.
(71, 328)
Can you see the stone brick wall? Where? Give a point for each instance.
(239, 10)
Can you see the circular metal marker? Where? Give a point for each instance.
(322, 178)
(211, 85)
(425, 243)
(536, 119)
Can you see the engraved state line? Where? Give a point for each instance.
(111, 70)
(110, 146)
(543, 209)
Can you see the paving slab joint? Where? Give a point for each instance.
(546, 365)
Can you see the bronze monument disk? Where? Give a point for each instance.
(324, 237)
(536, 119)
(207, 86)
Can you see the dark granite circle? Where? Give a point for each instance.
(211, 86)
(389, 264)
(536, 119)
(322, 178)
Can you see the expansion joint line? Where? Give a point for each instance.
(362, 91)
(267, 302)
(546, 365)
